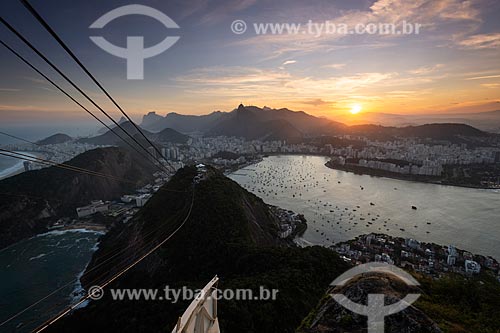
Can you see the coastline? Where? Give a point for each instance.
(19, 166)
(95, 228)
(83, 227)
(414, 233)
(66, 253)
(359, 170)
(61, 231)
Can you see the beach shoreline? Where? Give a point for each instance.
(18, 168)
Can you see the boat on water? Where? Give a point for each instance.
(414, 207)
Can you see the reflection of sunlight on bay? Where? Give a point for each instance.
(329, 200)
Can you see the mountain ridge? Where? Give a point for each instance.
(109, 138)
(230, 233)
(252, 122)
(36, 198)
(245, 122)
(486, 120)
(55, 139)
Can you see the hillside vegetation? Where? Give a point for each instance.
(230, 233)
(30, 200)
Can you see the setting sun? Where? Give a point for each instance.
(356, 108)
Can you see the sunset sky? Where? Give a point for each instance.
(451, 66)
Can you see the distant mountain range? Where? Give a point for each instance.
(248, 123)
(103, 130)
(109, 138)
(251, 122)
(486, 121)
(181, 123)
(55, 139)
(450, 132)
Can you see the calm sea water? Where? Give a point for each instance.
(341, 205)
(34, 268)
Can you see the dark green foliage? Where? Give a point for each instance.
(459, 304)
(30, 200)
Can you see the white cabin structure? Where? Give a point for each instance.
(201, 314)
